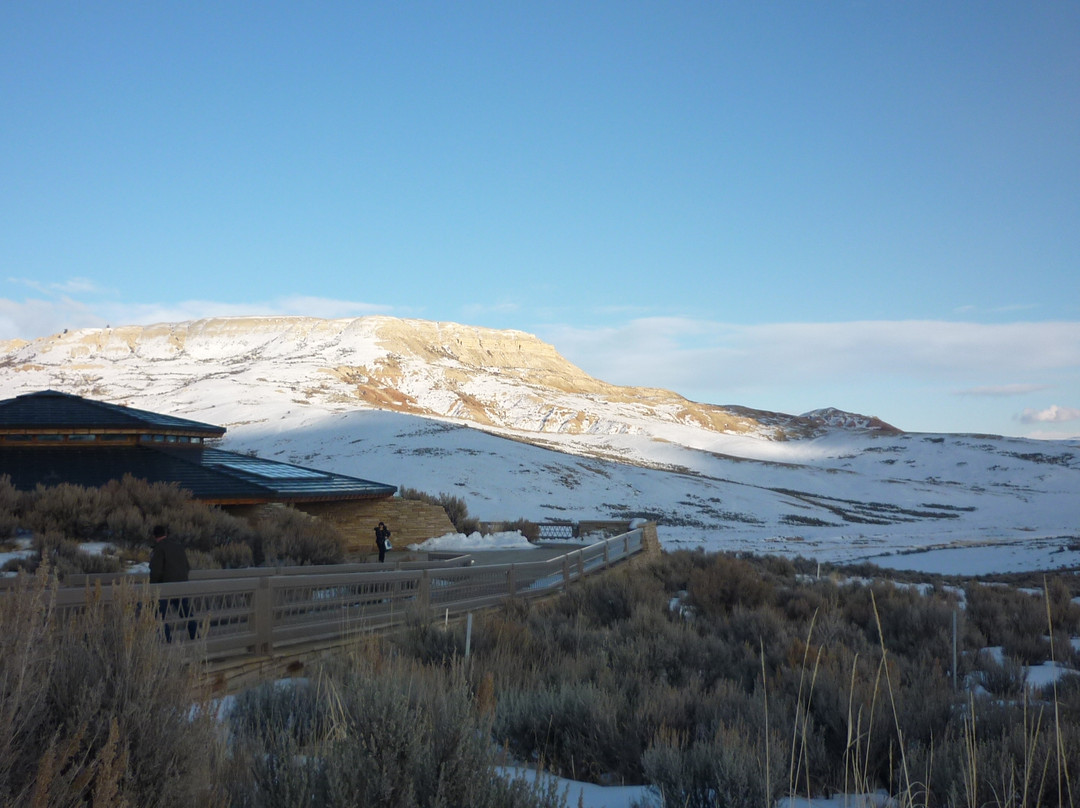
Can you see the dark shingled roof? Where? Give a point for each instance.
(211, 475)
(50, 409)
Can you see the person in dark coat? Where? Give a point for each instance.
(168, 564)
(382, 540)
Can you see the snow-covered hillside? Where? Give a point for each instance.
(502, 420)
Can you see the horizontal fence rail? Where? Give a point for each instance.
(241, 612)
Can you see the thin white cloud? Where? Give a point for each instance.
(970, 308)
(1015, 307)
(72, 286)
(1051, 415)
(29, 319)
(688, 354)
(479, 309)
(1002, 390)
(35, 318)
(327, 308)
(1043, 435)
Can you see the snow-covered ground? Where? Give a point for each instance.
(506, 540)
(919, 501)
(516, 431)
(588, 795)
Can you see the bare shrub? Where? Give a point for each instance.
(86, 563)
(607, 682)
(608, 599)
(571, 725)
(233, 555)
(672, 570)
(799, 605)
(126, 524)
(370, 730)
(1031, 649)
(292, 537)
(71, 510)
(9, 508)
(25, 564)
(1007, 754)
(1064, 610)
(729, 769)
(135, 506)
(530, 530)
(94, 708)
(124, 511)
(1014, 620)
(727, 582)
(198, 560)
(908, 622)
(1001, 678)
(749, 635)
(455, 507)
(432, 643)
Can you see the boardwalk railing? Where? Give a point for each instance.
(258, 611)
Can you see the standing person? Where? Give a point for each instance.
(168, 564)
(382, 540)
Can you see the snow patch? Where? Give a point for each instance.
(508, 540)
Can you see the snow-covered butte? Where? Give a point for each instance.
(502, 420)
(501, 379)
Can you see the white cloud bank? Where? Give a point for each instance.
(29, 319)
(678, 353)
(1051, 415)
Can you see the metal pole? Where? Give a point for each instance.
(468, 634)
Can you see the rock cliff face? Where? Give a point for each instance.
(506, 380)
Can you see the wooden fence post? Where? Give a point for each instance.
(566, 571)
(262, 603)
(607, 556)
(511, 583)
(424, 595)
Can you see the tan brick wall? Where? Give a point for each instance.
(410, 521)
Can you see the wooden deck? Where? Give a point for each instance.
(262, 623)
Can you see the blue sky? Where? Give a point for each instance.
(789, 205)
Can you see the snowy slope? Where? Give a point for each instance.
(502, 420)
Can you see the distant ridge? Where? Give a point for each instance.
(832, 417)
(505, 380)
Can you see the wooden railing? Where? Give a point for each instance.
(242, 612)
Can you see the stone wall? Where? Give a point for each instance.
(650, 542)
(410, 521)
